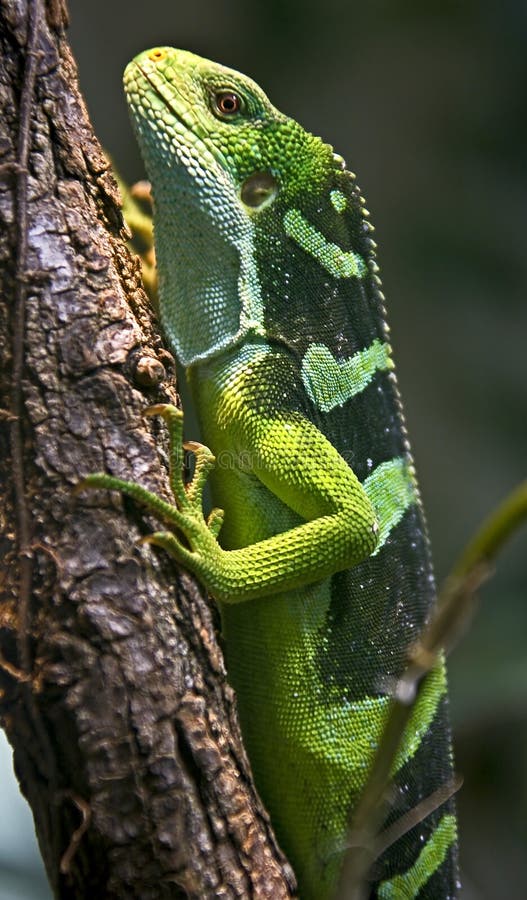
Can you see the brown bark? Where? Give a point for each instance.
(112, 685)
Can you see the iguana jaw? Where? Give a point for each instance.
(208, 262)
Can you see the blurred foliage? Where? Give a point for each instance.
(426, 102)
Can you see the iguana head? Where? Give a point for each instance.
(220, 157)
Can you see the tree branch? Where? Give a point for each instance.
(112, 685)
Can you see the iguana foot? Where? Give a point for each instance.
(185, 516)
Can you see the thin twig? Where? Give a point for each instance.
(23, 278)
(19, 323)
(419, 812)
(85, 811)
(15, 673)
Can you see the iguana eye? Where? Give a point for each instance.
(227, 103)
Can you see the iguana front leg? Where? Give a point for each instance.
(340, 531)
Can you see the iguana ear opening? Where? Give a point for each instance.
(259, 189)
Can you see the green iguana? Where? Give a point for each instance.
(270, 299)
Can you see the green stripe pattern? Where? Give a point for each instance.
(330, 382)
(338, 262)
(433, 854)
(391, 490)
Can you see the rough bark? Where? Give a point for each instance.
(112, 685)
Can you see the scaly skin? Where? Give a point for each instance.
(269, 296)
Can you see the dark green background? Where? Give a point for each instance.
(427, 102)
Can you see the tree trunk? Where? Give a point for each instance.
(112, 685)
